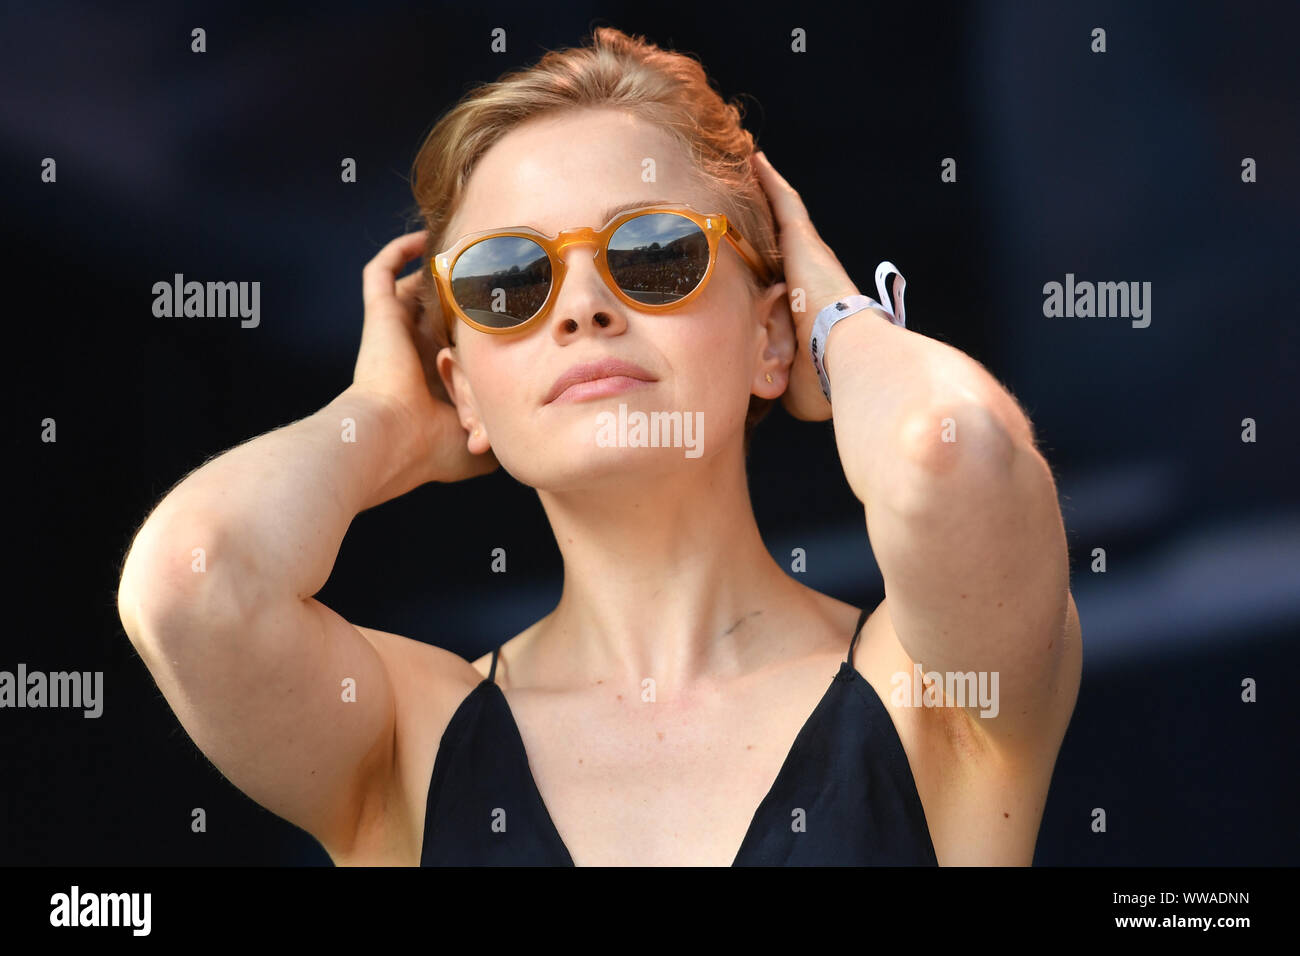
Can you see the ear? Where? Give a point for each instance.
(456, 382)
(776, 344)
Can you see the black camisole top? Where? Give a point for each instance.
(847, 772)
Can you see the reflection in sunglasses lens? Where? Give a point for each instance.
(502, 282)
(658, 258)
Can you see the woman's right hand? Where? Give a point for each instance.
(395, 365)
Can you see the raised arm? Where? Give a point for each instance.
(960, 507)
(962, 514)
(290, 701)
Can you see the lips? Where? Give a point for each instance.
(590, 371)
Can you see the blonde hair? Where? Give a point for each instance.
(613, 70)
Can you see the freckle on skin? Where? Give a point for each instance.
(659, 734)
(1006, 814)
(999, 604)
(620, 696)
(963, 597)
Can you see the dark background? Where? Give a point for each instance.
(1123, 166)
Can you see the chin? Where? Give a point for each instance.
(571, 466)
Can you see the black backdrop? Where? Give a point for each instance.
(1117, 166)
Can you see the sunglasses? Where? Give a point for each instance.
(655, 258)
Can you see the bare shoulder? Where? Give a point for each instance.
(833, 619)
(983, 801)
(886, 665)
(429, 684)
(511, 653)
(422, 673)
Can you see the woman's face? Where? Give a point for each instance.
(704, 359)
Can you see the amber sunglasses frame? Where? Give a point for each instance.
(714, 226)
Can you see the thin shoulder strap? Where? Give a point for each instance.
(492, 674)
(862, 619)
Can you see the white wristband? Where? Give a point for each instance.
(843, 308)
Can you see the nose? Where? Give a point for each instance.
(584, 303)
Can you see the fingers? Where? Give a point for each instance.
(378, 277)
(408, 290)
(786, 204)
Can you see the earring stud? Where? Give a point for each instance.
(769, 376)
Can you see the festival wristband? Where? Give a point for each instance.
(843, 308)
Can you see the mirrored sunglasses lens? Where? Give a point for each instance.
(502, 282)
(658, 258)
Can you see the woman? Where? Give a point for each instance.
(674, 707)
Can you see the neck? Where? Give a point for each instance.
(665, 575)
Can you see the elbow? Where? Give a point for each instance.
(963, 454)
(169, 586)
(956, 439)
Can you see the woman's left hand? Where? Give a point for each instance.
(812, 269)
